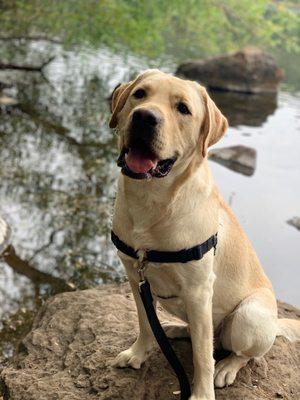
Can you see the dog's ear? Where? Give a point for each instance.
(121, 93)
(214, 123)
(118, 100)
(112, 97)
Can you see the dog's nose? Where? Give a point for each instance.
(143, 129)
(144, 117)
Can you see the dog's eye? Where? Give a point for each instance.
(182, 108)
(139, 94)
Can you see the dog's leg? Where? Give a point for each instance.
(248, 332)
(139, 351)
(198, 303)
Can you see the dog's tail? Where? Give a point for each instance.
(5, 234)
(289, 328)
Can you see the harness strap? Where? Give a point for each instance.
(182, 256)
(123, 247)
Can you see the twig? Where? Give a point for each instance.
(31, 38)
(33, 68)
(24, 268)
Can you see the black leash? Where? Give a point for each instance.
(163, 342)
(182, 256)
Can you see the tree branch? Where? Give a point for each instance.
(37, 68)
(24, 268)
(31, 38)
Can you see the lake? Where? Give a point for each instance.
(58, 175)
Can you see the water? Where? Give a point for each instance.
(264, 202)
(58, 176)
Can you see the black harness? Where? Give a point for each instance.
(182, 256)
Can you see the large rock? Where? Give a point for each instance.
(249, 70)
(239, 158)
(76, 335)
(295, 221)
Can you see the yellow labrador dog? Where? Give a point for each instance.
(165, 127)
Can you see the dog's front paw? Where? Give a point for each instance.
(193, 397)
(130, 358)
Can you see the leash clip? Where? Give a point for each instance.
(142, 264)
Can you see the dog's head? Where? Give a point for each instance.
(162, 119)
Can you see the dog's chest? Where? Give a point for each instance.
(169, 282)
(166, 285)
(164, 280)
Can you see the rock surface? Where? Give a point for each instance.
(295, 221)
(76, 335)
(5, 234)
(6, 101)
(249, 70)
(240, 158)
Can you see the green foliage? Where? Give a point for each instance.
(155, 27)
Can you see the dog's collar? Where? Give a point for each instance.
(181, 256)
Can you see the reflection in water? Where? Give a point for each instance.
(57, 184)
(37, 277)
(240, 159)
(245, 109)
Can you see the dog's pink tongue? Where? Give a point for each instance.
(139, 163)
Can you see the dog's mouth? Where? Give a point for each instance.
(137, 165)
